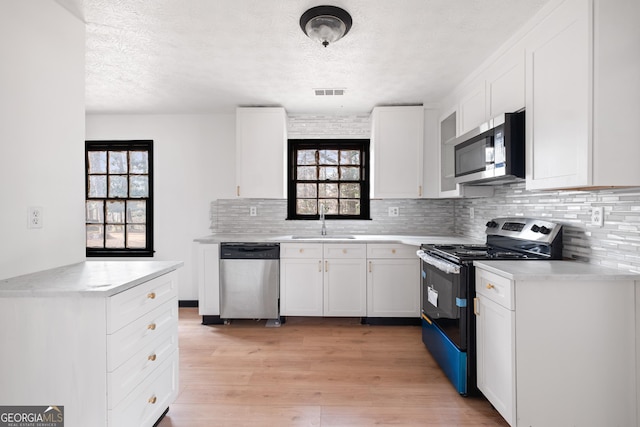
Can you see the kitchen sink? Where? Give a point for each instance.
(330, 237)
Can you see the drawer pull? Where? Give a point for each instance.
(151, 295)
(152, 400)
(301, 250)
(490, 286)
(152, 357)
(393, 251)
(152, 326)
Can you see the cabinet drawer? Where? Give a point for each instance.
(496, 288)
(130, 340)
(144, 405)
(136, 369)
(127, 306)
(390, 251)
(345, 251)
(301, 250)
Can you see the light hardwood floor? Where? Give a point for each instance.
(314, 372)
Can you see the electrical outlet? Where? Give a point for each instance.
(394, 211)
(34, 217)
(597, 216)
(253, 211)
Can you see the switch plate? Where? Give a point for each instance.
(34, 217)
(394, 211)
(253, 211)
(597, 216)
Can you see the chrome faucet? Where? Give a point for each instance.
(323, 231)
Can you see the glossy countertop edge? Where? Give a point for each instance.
(554, 270)
(414, 240)
(86, 279)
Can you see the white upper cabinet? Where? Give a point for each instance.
(261, 151)
(506, 84)
(397, 152)
(473, 108)
(583, 96)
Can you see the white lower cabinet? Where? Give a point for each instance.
(207, 264)
(322, 279)
(110, 361)
(557, 348)
(393, 281)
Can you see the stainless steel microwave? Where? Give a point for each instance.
(493, 152)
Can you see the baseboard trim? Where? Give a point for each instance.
(188, 303)
(391, 321)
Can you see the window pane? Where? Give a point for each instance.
(350, 207)
(95, 236)
(136, 236)
(98, 186)
(115, 212)
(330, 206)
(306, 191)
(349, 157)
(328, 172)
(138, 162)
(306, 157)
(95, 211)
(307, 173)
(328, 190)
(350, 173)
(138, 186)
(328, 157)
(137, 212)
(97, 161)
(306, 207)
(350, 191)
(117, 162)
(115, 236)
(117, 186)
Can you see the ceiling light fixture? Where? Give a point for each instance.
(325, 24)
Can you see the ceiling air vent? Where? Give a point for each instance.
(329, 92)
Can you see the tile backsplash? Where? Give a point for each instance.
(616, 244)
(422, 217)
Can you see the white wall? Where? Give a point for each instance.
(194, 163)
(41, 136)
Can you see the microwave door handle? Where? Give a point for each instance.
(440, 264)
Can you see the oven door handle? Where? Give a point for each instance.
(440, 264)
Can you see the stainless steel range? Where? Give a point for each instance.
(448, 288)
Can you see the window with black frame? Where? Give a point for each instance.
(329, 175)
(119, 198)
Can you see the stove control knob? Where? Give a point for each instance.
(492, 224)
(535, 228)
(545, 230)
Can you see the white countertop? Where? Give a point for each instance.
(413, 240)
(89, 278)
(554, 270)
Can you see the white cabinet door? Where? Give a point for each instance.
(558, 99)
(473, 111)
(345, 287)
(506, 84)
(393, 288)
(495, 341)
(397, 146)
(301, 287)
(261, 151)
(208, 270)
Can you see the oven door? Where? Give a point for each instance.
(444, 297)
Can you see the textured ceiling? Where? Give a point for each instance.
(188, 56)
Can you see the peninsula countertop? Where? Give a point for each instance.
(86, 279)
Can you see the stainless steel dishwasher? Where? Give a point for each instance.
(250, 281)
